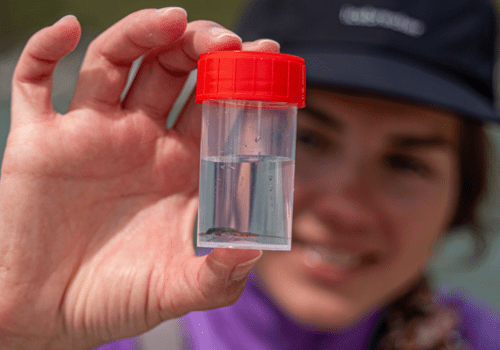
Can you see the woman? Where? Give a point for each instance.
(377, 183)
(93, 202)
(389, 158)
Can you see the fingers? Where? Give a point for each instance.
(163, 73)
(222, 277)
(32, 80)
(109, 57)
(189, 121)
(266, 45)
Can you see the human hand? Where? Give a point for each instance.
(97, 205)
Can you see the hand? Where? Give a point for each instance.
(97, 206)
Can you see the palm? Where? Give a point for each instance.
(116, 173)
(97, 205)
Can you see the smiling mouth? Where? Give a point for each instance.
(315, 256)
(329, 259)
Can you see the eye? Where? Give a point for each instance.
(313, 141)
(406, 164)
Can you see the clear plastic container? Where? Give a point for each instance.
(248, 148)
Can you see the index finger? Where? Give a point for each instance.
(32, 79)
(108, 60)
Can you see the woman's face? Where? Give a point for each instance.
(376, 185)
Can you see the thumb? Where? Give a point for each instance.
(223, 275)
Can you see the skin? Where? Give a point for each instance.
(368, 187)
(97, 205)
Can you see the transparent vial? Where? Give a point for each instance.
(246, 174)
(249, 116)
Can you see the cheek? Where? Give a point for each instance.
(299, 192)
(418, 215)
(418, 219)
(423, 203)
(304, 190)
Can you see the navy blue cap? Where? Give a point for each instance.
(437, 52)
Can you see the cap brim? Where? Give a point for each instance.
(383, 75)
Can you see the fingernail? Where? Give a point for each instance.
(220, 32)
(171, 8)
(64, 18)
(241, 271)
(268, 41)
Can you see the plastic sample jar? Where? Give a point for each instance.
(249, 124)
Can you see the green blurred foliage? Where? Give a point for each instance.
(21, 18)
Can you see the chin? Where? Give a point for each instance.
(310, 302)
(323, 310)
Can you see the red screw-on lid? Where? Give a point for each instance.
(250, 75)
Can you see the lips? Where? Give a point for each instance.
(331, 263)
(315, 256)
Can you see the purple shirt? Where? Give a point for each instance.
(124, 344)
(254, 322)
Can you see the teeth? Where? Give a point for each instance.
(315, 255)
(312, 257)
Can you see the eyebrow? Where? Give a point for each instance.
(415, 142)
(323, 118)
(403, 141)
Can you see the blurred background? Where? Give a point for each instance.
(21, 18)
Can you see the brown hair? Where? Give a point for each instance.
(473, 172)
(417, 320)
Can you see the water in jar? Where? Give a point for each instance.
(245, 202)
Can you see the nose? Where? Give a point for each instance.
(345, 198)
